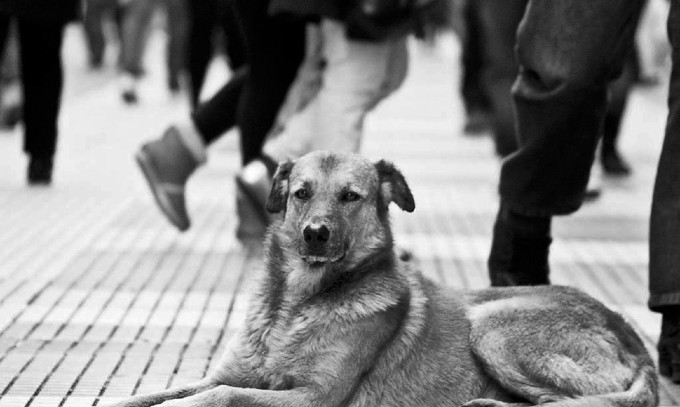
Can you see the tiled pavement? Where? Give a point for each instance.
(100, 298)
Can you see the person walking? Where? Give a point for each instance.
(40, 25)
(250, 100)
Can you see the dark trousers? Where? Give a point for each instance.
(664, 258)
(253, 96)
(568, 51)
(472, 58)
(205, 17)
(42, 77)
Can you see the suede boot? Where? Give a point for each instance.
(167, 164)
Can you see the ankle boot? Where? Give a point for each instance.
(519, 250)
(669, 345)
(167, 164)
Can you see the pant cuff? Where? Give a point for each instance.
(657, 302)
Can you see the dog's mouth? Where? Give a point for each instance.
(319, 261)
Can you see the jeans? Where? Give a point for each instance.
(664, 256)
(356, 77)
(568, 51)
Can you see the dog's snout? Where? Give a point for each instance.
(316, 236)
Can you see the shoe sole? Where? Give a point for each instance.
(161, 199)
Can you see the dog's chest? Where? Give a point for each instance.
(293, 348)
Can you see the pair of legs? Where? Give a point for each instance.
(96, 12)
(205, 17)
(40, 44)
(137, 16)
(250, 100)
(568, 51)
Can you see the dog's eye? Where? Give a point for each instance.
(302, 194)
(349, 196)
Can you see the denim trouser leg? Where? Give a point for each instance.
(136, 23)
(498, 25)
(568, 50)
(664, 258)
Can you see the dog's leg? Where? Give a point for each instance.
(150, 400)
(492, 403)
(225, 396)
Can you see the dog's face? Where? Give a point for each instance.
(336, 207)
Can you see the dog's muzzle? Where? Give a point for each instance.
(318, 248)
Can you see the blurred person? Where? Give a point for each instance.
(10, 82)
(475, 98)
(95, 14)
(136, 23)
(250, 100)
(40, 25)
(206, 17)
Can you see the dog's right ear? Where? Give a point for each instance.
(393, 187)
(279, 193)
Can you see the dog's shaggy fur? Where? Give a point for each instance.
(340, 321)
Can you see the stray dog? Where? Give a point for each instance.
(340, 321)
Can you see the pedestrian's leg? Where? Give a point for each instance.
(498, 25)
(42, 76)
(568, 50)
(177, 27)
(199, 49)
(664, 256)
(92, 23)
(619, 90)
(235, 48)
(275, 48)
(475, 97)
(135, 28)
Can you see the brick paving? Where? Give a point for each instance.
(100, 298)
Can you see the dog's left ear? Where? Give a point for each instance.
(393, 186)
(278, 197)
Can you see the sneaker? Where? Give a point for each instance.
(253, 185)
(40, 171)
(669, 347)
(519, 251)
(167, 164)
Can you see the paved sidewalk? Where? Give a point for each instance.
(100, 298)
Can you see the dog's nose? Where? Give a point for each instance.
(316, 236)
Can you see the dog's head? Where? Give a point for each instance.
(335, 207)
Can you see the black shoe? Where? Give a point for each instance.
(613, 163)
(477, 123)
(40, 171)
(669, 347)
(129, 97)
(519, 250)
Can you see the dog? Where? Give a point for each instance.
(340, 320)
